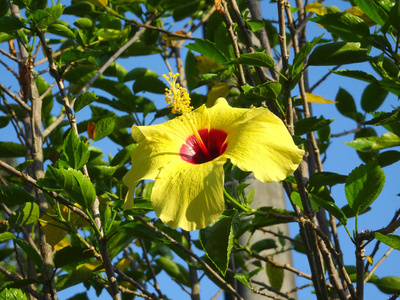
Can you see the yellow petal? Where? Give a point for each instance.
(316, 7)
(158, 146)
(258, 141)
(189, 196)
(318, 99)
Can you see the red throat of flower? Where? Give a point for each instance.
(214, 141)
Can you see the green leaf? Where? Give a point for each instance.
(244, 277)
(104, 127)
(61, 30)
(310, 124)
(373, 10)
(100, 172)
(6, 236)
(191, 71)
(217, 240)
(141, 206)
(388, 157)
(123, 156)
(84, 23)
(174, 270)
(348, 27)
(70, 255)
(330, 207)
(275, 276)
(149, 84)
(72, 55)
(83, 100)
(209, 49)
(266, 91)
(76, 185)
(263, 244)
(11, 149)
(339, 53)
(75, 150)
(257, 59)
(359, 75)
(4, 120)
(366, 132)
(392, 240)
(296, 69)
(321, 179)
(371, 143)
(388, 284)
(9, 24)
(47, 16)
(25, 215)
(12, 294)
(30, 252)
(4, 6)
(79, 9)
(394, 16)
(373, 97)
(363, 186)
(346, 105)
(255, 25)
(12, 195)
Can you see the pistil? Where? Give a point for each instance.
(179, 100)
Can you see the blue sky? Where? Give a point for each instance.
(340, 159)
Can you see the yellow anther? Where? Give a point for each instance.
(177, 96)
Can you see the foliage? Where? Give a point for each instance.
(74, 83)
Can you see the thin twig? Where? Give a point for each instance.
(153, 275)
(233, 37)
(15, 98)
(271, 289)
(227, 286)
(135, 283)
(247, 38)
(368, 277)
(12, 57)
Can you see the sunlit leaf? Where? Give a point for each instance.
(363, 186)
(75, 150)
(387, 140)
(76, 185)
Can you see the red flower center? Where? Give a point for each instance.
(214, 140)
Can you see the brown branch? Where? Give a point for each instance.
(247, 37)
(233, 37)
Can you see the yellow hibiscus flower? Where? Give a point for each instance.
(185, 157)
